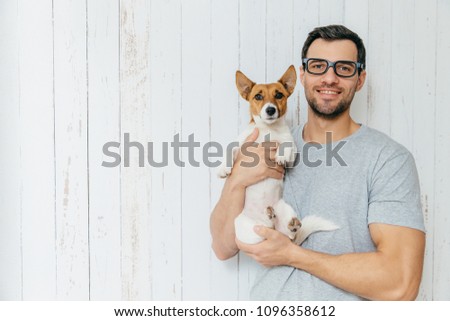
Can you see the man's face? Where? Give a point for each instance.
(329, 95)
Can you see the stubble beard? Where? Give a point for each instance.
(326, 112)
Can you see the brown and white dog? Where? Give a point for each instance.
(264, 204)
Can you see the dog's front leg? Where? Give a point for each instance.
(227, 163)
(286, 153)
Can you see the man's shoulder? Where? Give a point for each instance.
(381, 151)
(381, 142)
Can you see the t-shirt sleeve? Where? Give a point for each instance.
(394, 195)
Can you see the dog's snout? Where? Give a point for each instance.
(270, 110)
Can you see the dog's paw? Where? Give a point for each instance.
(281, 160)
(294, 228)
(285, 155)
(270, 212)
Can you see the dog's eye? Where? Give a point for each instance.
(258, 97)
(279, 95)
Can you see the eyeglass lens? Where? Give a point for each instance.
(341, 68)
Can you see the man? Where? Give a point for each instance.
(370, 191)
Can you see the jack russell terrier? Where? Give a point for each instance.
(264, 204)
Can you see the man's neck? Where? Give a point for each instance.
(316, 128)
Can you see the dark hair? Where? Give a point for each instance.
(336, 32)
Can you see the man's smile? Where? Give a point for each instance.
(328, 91)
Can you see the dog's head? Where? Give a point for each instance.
(268, 102)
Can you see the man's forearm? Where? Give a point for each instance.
(373, 275)
(227, 209)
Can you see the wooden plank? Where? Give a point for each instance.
(379, 83)
(136, 122)
(196, 101)
(306, 18)
(441, 253)
(331, 12)
(356, 18)
(37, 150)
(104, 127)
(10, 188)
(280, 47)
(165, 102)
(71, 150)
(424, 121)
(223, 127)
(252, 61)
(402, 73)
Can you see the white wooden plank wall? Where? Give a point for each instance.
(78, 74)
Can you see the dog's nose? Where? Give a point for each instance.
(270, 111)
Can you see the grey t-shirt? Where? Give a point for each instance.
(370, 179)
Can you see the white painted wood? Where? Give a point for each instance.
(331, 12)
(165, 105)
(424, 123)
(136, 181)
(441, 252)
(76, 75)
(10, 175)
(402, 53)
(37, 145)
(223, 127)
(104, 126)
(379, 59)
(356, 18)
(196, 102)
(70, 79)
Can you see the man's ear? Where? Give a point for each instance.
(289, 79)
(361, 80)
(243, 84)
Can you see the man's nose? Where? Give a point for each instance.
(330, 76)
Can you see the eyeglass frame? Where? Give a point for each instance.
(359, 66)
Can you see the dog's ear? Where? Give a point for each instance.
(243, 84)
(289, 79)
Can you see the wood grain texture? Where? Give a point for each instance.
(136, 181)
(70, 78)
(196, 103)
(165, 99)
(10, 187)
(103, 127)
(223, 127)
(441, 245)
(37, 144)
(424, 115)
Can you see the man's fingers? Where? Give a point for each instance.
(261, 230)
(277, 174)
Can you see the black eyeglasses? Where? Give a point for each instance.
(342, 68)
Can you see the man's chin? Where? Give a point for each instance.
(328, 113)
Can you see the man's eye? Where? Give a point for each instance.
(317, 66)
(279, 95)
(258, 97)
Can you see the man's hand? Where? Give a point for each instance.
(255, 162)
(232, 199)
(273, 251)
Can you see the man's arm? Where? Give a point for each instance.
(227, 209)
(232, 199)
(392, 272)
